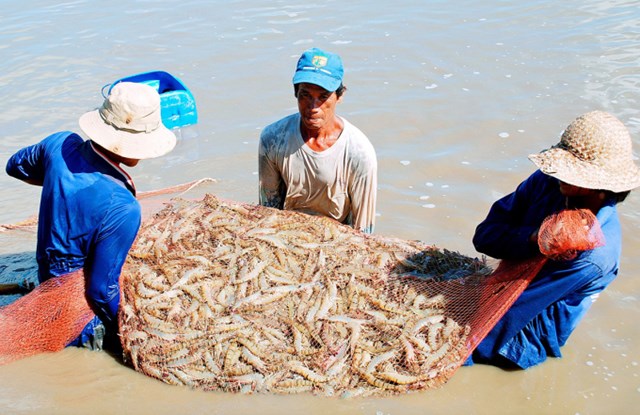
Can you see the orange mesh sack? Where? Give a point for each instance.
(46, 319)
(564, 234)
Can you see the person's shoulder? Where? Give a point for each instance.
(60, 137)
(120, 191)
(538, 175)
(55, 145)
(349, 126)
(357, 139)
(281, 124)
(109, 202)
(63, 135)
(539, 182)
(276, 136)
(120, 198)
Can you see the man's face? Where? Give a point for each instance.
(317, 106)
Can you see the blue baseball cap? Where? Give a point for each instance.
(321, 68)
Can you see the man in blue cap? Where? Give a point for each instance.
(315, 161)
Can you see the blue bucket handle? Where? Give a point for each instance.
(102, 90)
(110, 87)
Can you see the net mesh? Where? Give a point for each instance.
(220, 295)
(564, 234)
(227, 296)
(45, 320)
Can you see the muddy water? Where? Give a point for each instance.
(453, 95)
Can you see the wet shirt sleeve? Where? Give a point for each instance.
(505, 232)
(28, 164)
(272, 188)
(363, 192)
(116, 235)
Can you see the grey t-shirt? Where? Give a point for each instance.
(339, 182)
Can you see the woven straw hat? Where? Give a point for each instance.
(129, 123)
(594, 153)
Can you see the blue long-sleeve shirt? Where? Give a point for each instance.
(547, 312)
(88, 217)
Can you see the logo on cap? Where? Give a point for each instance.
(319, 61)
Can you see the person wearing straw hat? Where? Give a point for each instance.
(592, 168)
(89, 215)
(315, 161)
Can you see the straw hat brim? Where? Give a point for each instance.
(563, 165)
(129, 144)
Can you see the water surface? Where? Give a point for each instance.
(453, 94)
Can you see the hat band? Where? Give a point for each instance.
(576, 152)
(139, 125)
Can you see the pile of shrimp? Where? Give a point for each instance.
(221, 295)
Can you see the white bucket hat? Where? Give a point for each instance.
(129, 123)
(594, 153)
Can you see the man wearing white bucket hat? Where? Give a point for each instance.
(592, 168)
(89, 216)
(315, 161)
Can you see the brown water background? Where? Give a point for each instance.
(453, 94)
